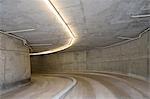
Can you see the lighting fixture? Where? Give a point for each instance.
(40, 44)
(71, 41)
(125, 38)
(140, 16)
(19, 31)
(61, 19)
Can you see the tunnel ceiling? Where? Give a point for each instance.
(96, 23)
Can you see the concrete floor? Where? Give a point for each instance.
(41, 87)
(89, 86)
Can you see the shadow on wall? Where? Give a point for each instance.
(131, 59)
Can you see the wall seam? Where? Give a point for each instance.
(148, 54)
(86, 60)
(4, 70)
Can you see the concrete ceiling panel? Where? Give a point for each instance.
(96, 23)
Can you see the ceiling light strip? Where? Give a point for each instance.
(71, 41)
(65, 25)
(140, 16)
(40, 44)
(61, 18)
(19, 31)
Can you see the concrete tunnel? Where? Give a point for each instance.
(74, 49)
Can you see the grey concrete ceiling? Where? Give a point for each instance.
(96, 22)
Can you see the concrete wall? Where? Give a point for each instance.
(131, 58)
(148, 62)
(14, 62)
(70, 61)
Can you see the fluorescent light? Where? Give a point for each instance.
(140, 16)
(125, 38)
(19, 31)
(71, 41)
(62, 21)
(40, 44)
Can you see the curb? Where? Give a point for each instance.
(63, 93)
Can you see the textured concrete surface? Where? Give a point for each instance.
(109, 87)
(89, 86)
(96, 22)
(14, 62)
(75, 61)
(42, 87)
(149, 55)
(131, 58)
(23, 14)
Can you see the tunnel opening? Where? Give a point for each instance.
(74, 49)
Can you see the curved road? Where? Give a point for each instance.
(105, 86)
(89, 86)
(41, 87)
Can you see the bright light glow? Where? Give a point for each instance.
(71, 41)
(69, 32)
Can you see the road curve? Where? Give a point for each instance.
(41, 87)
(108, 86)
(89, 86)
